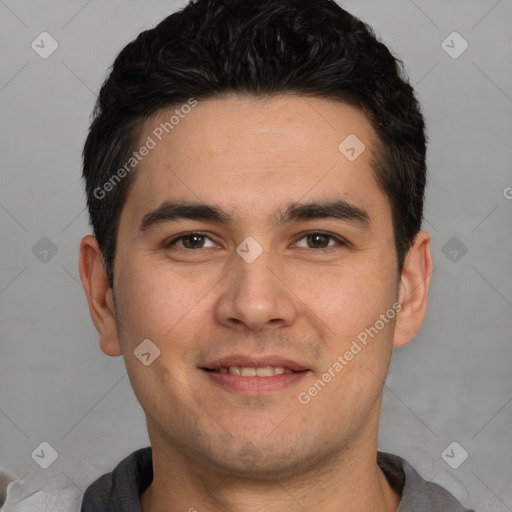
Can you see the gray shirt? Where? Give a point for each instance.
(120, 490)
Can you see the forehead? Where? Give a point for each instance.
(249, 152)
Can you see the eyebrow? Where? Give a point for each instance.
(338, 209)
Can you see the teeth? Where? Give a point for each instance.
(265, 371)
(247, 372)
(262, 371)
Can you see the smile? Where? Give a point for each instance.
(260, 371)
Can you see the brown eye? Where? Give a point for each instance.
(319, 240)
(190, 241)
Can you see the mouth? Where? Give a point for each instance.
(249, 371)
(254, 375)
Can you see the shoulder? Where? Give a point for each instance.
(42, 492)
(121, 488)
(5, 479)
(49, 491)
(417, 493)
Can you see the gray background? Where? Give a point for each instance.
(452, 383)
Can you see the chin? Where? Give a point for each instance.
(268, 463)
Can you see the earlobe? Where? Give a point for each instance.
(99, 295)
(413, 289)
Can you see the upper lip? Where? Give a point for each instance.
(254, 361)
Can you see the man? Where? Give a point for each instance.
(255, 176)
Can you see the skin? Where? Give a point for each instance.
(251, 156)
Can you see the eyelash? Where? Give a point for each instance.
(175, 239)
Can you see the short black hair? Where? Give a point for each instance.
(212, 48)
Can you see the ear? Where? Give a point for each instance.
(413, 289)
(99, 295)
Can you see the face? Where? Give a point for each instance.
(226, 262)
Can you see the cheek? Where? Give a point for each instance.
(165, 311)
(350, 307)
(348, 299)
(170, 311)
(154, 303)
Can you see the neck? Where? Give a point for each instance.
(349, 481)
(232, 495)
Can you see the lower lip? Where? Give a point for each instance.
(255, 385)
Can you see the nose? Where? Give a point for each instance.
(255, 296)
